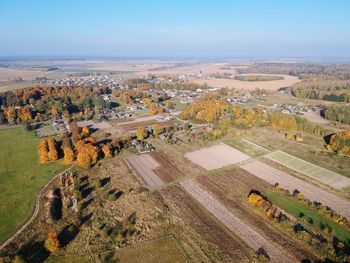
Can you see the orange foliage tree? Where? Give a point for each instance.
(87, 152)
(53, 153)
(52, 244)
(43, 151)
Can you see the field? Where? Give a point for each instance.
(271, 85)
(288, 182)
(216, 156)
(21, 177)
(294, 208)
(234, 223)
(320, 174)
(163, 250)
(145, 166)
(204, 236)
(231, 187)
(253, 77)
(248, 147)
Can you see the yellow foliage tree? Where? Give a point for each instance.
(141, 133)
(157, 129)
(107, 151)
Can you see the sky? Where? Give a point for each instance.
(160, 28)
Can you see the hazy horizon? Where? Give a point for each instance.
(155, 29)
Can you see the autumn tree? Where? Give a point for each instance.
(157, 129)
(107, 151)
(43, 151)
(141, 133)
(52, 243)
(85, 131)
(146, 101)
(87, 152)
(53, 153)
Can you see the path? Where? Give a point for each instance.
(36, 210)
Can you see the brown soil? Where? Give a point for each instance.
(222, 246)
(167, 171)
(231, 189)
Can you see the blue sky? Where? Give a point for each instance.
(146, 28)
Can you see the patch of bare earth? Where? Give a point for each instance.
(202, 235)
(166, 170)
(231, 189)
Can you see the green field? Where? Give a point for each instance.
(21, 177)
(258, 77)
(247, 148)
(323, 175)
(295, 208)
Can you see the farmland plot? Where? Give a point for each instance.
(145, 166)
(234, 223)
(286, 181)
(216, 156)
(322, 175)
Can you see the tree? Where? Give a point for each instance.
(85, 131)
(141, 133)
(52, 243)
(69, 155)
(53, 153)
(87, 152)
(169, 104)
(157, 129)
(107, 150)
(43, 151)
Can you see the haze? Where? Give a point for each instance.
(177, 29)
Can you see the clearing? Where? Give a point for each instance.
(145, 166)
(234, 223)
(21, 177)
(216, 156)
(322, 175)
(288, 182)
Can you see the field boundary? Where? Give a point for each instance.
(256, 145)
(336, 180)
(36, 209)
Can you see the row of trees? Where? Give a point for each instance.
(339, 113)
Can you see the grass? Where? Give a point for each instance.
(21, 177)
(246, 148)
(307, 168)
(295, 208)
(164, 250)
(258, 77)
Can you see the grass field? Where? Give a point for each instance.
(247, 148)
(21, 177)
(323, 175)
(293, 207)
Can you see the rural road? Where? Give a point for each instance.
(36, 210)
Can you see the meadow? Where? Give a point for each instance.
(21, 177)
